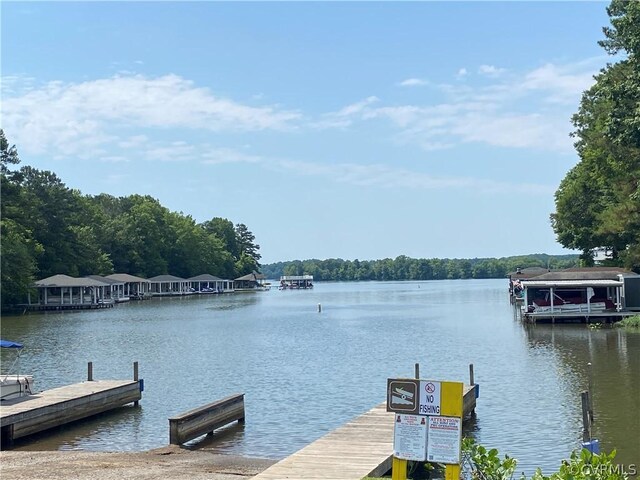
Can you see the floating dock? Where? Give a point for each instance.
(362, 447)
(69, 306)
(35, 413)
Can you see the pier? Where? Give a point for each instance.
(52, 408)
(362, 447)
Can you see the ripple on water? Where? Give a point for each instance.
(305, 373)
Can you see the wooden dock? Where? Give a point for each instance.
(35, 413)
(362, 447)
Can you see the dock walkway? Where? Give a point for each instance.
(35, 413)
(362, 447)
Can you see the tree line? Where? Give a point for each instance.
(405, 268)
(598, 201)
(48, 229)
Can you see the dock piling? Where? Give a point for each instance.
(586, 423)
(471, 379)
(90, 372)
(590, 390)
(417, 370)
(135, 378)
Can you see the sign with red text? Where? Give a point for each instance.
(429, 398)
(443, 439)
(410, 437)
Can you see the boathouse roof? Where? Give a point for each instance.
(110, 281)
(536, 282)
(205, 277)
(125, 277)
(166, 278)
(67, 281)
(251, 277)
(592, 273)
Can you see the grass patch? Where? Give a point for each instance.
(629, 322)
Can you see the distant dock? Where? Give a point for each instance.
(71, 306)
(32, 414)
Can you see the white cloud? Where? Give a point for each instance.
(344, 117)
(562, 82)
(216, 156)
(174, 152)
(369, 175)
(527, 110)
(357, 107)
(133, 141)
(462, 73)
(71, 116)
(515, 131)
(490, 70)
(413, 82)
(114, 159)
(377, 175)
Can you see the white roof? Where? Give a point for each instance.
(67, 281)
(125, 277)
(571, 283)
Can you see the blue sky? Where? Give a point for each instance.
(352, 130)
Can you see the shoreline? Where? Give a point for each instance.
(171, 462)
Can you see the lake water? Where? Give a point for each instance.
(305, 373)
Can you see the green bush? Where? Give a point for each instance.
(486, 464)
(585, 465)
(582, 465)
(629, 322)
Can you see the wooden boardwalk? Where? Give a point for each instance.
(362, 447)
(35, 413)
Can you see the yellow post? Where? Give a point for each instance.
(452, 472)
(451, 399)
(399, 469)
(451, 405)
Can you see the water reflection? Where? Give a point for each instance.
(614, 355)
(332, 366)
(104, 429)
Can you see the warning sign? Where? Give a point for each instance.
(410, 437)
(429, 398)
(443, 439)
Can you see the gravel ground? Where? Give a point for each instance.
(170, 463)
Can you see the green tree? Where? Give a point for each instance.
(226, 232)
(249, 257)
(598, 202)
(18, 262)
(193, 250)
(8, 154)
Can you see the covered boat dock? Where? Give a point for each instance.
(578, 296)
(62, 292)
(295, 282)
